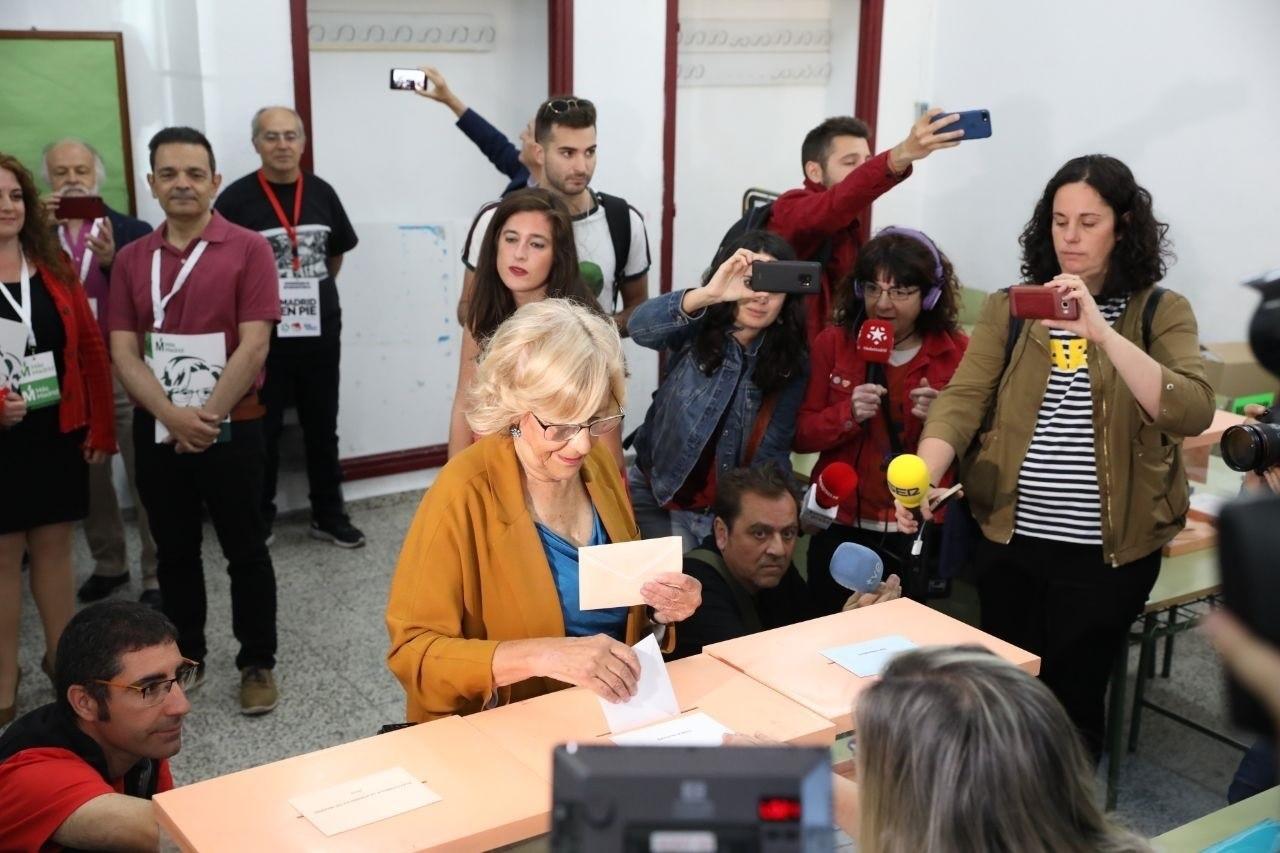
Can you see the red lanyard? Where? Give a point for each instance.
(291, 230)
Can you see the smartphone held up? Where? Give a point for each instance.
(801, 277)
(1041, 302)
(80, 207)
(408, 79)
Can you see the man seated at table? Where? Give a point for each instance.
(80, 771)
(749, 583)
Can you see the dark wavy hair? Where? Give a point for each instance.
(783, 346)
(906, 262)
(491, 301)
(37, 236)
(1142, 252)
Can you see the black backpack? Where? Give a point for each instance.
(617, 215)
(757, 219)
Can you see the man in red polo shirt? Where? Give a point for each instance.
(199, 297)
(80, 772)
(821, 219)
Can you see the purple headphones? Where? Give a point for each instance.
(935, 293)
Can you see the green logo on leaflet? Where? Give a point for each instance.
(592, 275)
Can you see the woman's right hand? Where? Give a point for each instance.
(15, 409)
(907, 520)
(601, 664)
(731, 282)
(866, 400)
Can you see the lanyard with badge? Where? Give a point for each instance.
(299, 296)
(186, 366)
(39, 374)
(86, 260)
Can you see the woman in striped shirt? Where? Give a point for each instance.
(1076, 476)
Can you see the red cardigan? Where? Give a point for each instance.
(87, 395)
(825, 422)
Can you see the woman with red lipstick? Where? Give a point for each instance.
(528, 255)
(484, 606)
(45, 448)
(736, 368)
(863, 415)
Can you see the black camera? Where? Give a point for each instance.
(1253, 447)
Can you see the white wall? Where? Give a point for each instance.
(1184, 93)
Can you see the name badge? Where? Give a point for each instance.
(187, 368)
(299, 308)
(39, 382)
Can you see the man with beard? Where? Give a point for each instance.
(749, 583)
(613, 248)
(73, 168)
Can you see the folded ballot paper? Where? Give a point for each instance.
(652, 716)
(611, 575)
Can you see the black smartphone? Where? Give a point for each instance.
(802, 277)
(1248, 541)
(976, 124)
(408, 79)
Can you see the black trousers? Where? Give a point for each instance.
(894, 550)
(1065, 604)
(305, 372)
(226, 480)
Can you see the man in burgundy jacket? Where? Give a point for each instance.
(841, 179)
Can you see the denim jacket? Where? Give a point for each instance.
(688, 404)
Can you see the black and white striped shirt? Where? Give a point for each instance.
(1058, 482)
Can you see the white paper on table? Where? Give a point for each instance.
(363, 801)
(869, 658)
(696, 729)
(655, 698)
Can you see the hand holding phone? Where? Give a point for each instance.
(408, 79)
(1041, 302)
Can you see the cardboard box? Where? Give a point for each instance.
(1234, 372)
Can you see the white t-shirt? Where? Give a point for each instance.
(595, 249)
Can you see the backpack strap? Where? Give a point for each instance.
(741, 600)
(1149, 315)
(767, 406)
(617, 216)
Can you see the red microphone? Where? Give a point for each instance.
(875, 345)
(836, 482)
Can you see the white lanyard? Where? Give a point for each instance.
(87, 258)
(157, 304)
(24, 307)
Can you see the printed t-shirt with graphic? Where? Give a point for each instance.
(595, 249)
(233, 282)
(1058, 494)
(324, 231)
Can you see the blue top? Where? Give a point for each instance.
(562, 555)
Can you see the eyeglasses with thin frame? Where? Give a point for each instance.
(564, 433)
(155, 692)
(559, 106)
(871, 292)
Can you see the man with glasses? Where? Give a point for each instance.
(80, 772)
(613, 248)
(307, 227)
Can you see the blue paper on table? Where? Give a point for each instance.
(1262, 837)
(868, 658)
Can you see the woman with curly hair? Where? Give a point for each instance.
(1069, 436)
(736, 367)
(48, 442)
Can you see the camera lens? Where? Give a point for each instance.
(806, 280)
(1251, 447)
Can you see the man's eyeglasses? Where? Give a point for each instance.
(562, 433)
(559, 106)
(871, 291)
(155, 692)
(273, 137)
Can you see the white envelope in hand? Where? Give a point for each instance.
(611, 575)
(655, 697)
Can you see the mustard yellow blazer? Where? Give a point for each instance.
(472, 573)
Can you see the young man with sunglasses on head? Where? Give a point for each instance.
(80, 771)
(613, 248)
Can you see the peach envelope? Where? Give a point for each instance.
(611, 575)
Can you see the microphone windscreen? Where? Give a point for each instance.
(856, 567)
(908, 478)
(875, 341)
(835, 483)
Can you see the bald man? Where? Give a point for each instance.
(307, 227)
(72, 167)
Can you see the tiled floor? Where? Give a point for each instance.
(336, 688)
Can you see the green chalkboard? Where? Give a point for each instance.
(57, 84)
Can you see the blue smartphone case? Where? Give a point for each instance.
(976, 124)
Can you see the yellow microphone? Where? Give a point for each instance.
(908, 480)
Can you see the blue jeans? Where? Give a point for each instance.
(654, 522)
(1256, 773)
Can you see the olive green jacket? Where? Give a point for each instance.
(1142, 483)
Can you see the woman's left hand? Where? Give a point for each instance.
(673, 596)
(1091, 325)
